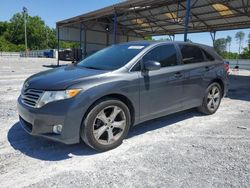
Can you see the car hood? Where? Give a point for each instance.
(61, 78)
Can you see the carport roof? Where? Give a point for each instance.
(158, 17)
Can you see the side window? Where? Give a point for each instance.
(191, 54)
(137, 67)
(208, 56)
(166, 55)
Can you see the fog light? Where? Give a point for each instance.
(57, 129)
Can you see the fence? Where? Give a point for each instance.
(242, 63)
(34, 53)
(10, 54)
(39, 53)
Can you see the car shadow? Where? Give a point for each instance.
(162, 122)
(43, 149)
(54, 66)
(239, 87)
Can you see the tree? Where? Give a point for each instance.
(162, 39)
(248, 43)
(148, 38)
(8, 46)
(38, 34)
(51, 38)
(239, 38)
(220, 45)
(245, 53)
(67, 44)
(3, 27)
(229, 40)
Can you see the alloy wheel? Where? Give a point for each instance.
(109, 125)
(213, 98)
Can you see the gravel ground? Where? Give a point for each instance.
(186, 149)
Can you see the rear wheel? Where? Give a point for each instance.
(212, 99)
(106, 125)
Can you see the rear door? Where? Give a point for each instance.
(161, 90)
(194, 68)
(210, 69)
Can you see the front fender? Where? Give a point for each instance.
(83, 101)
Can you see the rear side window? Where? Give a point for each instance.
(208, 56)
(191, 54)
(165, 55)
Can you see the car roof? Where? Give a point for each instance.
(148, 43)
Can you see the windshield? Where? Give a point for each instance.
(112, 58)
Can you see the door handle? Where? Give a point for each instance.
(207, 68)
(177, 75)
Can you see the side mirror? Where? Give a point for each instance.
(152, 65)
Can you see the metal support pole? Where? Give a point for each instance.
(58, 44)
(187, 19)
(107, 38)
(107, 34)
(25, 10)
(85, 42)
(25, 31)
(81, 51)
(115, 28)
(172, 37)
(213, 34)
(47, 40)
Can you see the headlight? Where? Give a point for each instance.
(50, 96)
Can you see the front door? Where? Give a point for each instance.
(161, 90)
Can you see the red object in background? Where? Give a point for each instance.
(226, 66)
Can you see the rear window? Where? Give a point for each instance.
(208, 56)
(191, 54)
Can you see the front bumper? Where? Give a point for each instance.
(40, 121)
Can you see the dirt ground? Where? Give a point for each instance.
(186, 149)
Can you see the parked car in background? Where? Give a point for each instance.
(66, 55)
(48, 54)
(73, 55)
(101, 97)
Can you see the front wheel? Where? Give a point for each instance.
(106, 124)
(212, 99)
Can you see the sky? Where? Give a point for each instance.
(52, 11)
(205, 38)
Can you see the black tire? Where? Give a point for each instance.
(204, 108)
(87, 131)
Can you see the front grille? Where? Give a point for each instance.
(31, 97)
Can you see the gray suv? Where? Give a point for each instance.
(101, 97)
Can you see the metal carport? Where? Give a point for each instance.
(135, 19)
